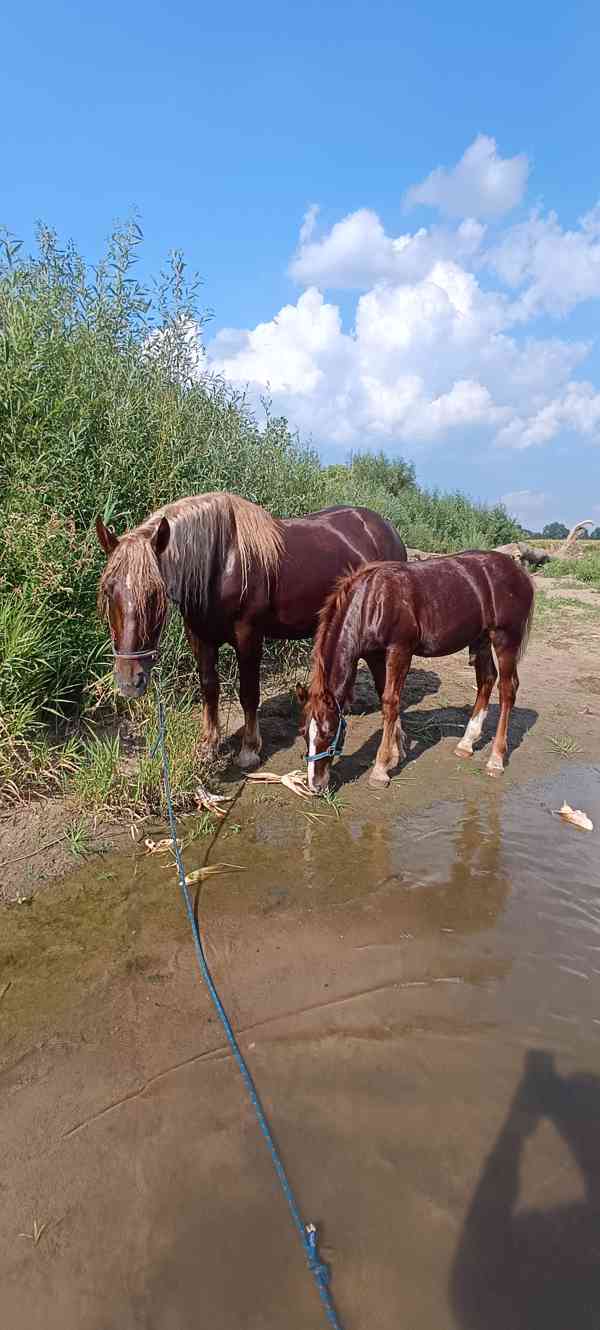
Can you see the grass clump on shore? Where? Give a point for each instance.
(104, 407)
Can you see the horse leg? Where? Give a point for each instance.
(507, 687)
(486, 675)
(388, 755)
(207, 657)
(376, 663)
(249, 652)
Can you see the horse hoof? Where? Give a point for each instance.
(463, 752)
(379, 780)
(495, 767)
(209, 753)
(248, 759)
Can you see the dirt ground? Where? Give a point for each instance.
(412, 974)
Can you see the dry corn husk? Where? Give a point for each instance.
(293, 780)
(159, 846)
(212, 802)
(201, 874)
(576, 817)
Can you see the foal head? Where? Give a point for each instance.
(324, 728)
(133, 596)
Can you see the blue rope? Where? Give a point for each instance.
(306, 1232)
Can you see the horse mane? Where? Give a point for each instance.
(333, 614)
(133, 560)
(204, 527)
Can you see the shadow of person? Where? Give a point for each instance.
(534, 1269)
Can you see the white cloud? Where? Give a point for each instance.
(356, 252)
(557, 269)
(482, 184)
(439, 351)
(575, 410)
(528, 506)
(424, 360)
(309, 223)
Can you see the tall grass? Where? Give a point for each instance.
(102, 409)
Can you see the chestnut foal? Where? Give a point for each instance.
(386, 613)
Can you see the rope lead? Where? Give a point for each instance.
(306, 1232)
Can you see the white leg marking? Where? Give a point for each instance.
(472, 733)
(495, 765)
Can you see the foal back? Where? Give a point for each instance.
(441, 605)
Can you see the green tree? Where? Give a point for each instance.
(555, 531)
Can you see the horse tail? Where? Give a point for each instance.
(529, 620)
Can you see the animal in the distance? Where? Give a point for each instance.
(237, 575)
(388, 612)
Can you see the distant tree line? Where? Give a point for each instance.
(558, 531)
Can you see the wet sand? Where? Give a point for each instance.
(416, 991)
(414, 976)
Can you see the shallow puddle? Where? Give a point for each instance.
(418, 996)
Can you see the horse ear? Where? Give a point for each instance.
(161, 537)
(107, 537)
(302, 694)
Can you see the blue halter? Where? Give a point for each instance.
(336, 746)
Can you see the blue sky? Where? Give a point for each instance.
(472, 349)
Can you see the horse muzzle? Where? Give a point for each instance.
(132, 683)
(318, 776)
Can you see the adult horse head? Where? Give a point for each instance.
(133, 596)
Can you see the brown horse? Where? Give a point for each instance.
(387, 612)
(237, 575)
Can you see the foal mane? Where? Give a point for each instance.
(204, 528)
(331, 619)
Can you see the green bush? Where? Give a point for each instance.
(102, 410)
(586, 569)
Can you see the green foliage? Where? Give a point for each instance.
(586, 569)
(103, 409)
(102, 780)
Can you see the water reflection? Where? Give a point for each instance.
(452, 862)
(521, 1269)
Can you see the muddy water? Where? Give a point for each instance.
(418, 998)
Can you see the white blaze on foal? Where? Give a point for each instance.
(312, 748)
